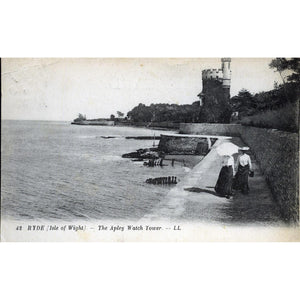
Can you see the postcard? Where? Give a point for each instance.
(150, 149)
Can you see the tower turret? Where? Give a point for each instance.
(226, 72)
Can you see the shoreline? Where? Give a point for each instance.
(113, 123)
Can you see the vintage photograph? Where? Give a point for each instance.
(150, 149)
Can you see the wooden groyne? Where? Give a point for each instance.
(162, 180)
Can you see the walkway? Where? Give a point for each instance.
(194, 198)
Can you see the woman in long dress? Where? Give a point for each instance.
(244, 166)
(224, 183)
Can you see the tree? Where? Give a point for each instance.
(140, 113)
(112, 117)
(120, 114)
(283, 64)
(280, 64)
(81, 117)
(243, 102)
(292, 66)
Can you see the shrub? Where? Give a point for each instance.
(285, 118)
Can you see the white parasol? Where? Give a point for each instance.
(227, 148)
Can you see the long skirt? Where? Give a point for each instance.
(241, 179)
(224, 183)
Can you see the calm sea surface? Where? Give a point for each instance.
(54, 170)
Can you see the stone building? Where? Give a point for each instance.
(215, 95)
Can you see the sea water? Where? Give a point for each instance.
(59, 171)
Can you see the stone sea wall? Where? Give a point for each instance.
(277, 153)
(168, 125)
(174, 144)
(210, 129)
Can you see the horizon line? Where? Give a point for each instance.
(35, 120)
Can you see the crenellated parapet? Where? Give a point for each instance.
(222, 75)
(216, 74)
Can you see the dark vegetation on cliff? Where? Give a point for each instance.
(278, 108)
(80, 118)
(187, 113)
(285, 118)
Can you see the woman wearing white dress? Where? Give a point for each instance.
(244, 166)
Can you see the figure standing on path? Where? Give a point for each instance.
(224, 183)
(244, 166)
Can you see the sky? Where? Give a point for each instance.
(60, 88)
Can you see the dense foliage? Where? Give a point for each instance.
(278, 108)
(284, 64)
(247, 104)
(285, 118)
(80, 117)
(165, 112)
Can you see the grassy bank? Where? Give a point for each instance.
(285, 118)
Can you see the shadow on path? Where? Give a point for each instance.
(199, 190)
(251, 208)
